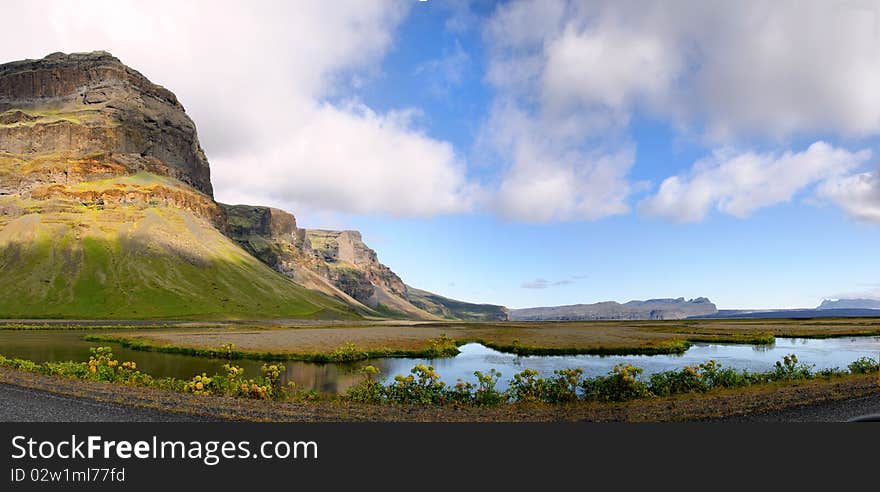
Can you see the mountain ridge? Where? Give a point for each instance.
(664, 308)
(340, 264)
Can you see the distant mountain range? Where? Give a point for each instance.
(829, 308)
(633, 310)
(795, 313)
(700, 307)
(849, 304)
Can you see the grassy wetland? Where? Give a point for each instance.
(354, 341)
(706, 389)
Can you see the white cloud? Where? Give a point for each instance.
(256, 77)
(353, 159)
(572, 74)
(858, 195)
(735, 68)
(741, 183)
(551, 175)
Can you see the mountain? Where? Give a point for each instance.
(107, 211)
(794, 313)
(610, 310)
(849, 304)
(106, 207)
(340, 264)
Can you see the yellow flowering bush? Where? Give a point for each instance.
(789, 368)
(423, 386)
(621, 384)
(201, 384)
(369, 389)
(103, 366)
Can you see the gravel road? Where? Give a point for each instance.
(835, 411)
(19, 404)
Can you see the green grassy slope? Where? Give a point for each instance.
(453, 309)
(123, 262)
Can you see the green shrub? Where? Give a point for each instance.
(348, 353)
(621, 384)
(790, 369)
(864, 365)
(443, 346)
(563, 386)
(201, 384)
(21, 364)
(485, 392)
(526, 386)
(830, 372)
(370, 389)
(423, 386)
(228, 350)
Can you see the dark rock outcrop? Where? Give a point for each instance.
(97, 160)
(340, 263)
(90, 105)
(106, 207)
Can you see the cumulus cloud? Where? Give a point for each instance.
(353, 159)
(736, 68)
(858, 195)
(552, 173)
(571, 75)
(741, 183)
(257, 78)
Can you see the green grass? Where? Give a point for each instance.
(128, 264)
(346, 353)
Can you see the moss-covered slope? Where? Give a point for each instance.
(65, 259)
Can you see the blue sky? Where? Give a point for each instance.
(533, 153)
(791, 254)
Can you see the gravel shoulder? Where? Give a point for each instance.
(20, 404)
(836, 400)
(832, 411)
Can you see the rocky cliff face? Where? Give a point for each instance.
(339, 263)
(633, 310)
(106, 208)
(101, 116)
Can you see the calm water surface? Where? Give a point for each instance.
(41, 346)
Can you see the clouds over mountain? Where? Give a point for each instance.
(274, 85)
(259, 78)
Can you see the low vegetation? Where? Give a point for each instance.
(623, 383)
(442, 346)
(342, 341)
(103, 366)
(115, 261)
(423, 385)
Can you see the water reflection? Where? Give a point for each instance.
(336, 378)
